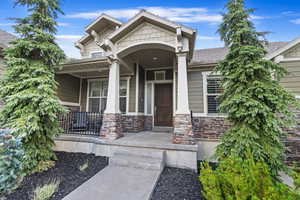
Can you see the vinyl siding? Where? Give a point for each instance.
(132, 93)
(292, 80)
(195, 87)
(83, 97)
(68, 88)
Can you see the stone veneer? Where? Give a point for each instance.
(183, 131)
(133, 123)
(210, 128)
(148, 123)
(293, 151)
(111, 126)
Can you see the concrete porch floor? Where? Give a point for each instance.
(177, 155)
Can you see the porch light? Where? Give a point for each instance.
(155, 58)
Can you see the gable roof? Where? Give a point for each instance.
(215, 55)
(284, 48)
(102, 20)
(143, 14)
(6, 38)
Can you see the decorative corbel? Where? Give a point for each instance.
(179, 39)
(95, 36)
(80, 46)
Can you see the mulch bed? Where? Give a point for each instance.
(66, 170)
(178, 184)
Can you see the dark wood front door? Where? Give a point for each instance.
(163, 110)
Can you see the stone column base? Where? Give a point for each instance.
(111, 126)
(183, 129)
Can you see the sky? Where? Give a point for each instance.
(281, 18)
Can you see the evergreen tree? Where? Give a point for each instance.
(257, 105)
(29, 88)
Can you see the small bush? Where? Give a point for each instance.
(238, 179)
(11, 155)
(45, 192)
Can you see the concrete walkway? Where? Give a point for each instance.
(117, 183)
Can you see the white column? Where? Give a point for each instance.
(182, 91)
(112, 104)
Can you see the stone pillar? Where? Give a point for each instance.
(183, 130)
(111, 123)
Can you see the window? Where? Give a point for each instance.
(97, 95)
(212, 91)
(160, 75)
(97, 54)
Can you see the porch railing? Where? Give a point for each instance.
(81, 123)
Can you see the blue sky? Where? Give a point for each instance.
(280, 17)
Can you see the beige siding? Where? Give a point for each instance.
(293, 52)
(90, 46)
(195, 84)
(132, 93)
(83, 95)
(68, 88)
(292, 80)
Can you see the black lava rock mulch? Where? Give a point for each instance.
(178, 184)
(66, 170)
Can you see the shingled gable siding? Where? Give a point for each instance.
(68, 89)
(292, 80)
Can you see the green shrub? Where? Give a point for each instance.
(45, 192)
(11, 155)
(238, 179)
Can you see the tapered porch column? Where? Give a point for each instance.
(111, 124)
(183, 132)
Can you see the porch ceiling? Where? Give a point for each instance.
(153, 58)
(89, 68)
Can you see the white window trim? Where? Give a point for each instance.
(66, 103)
(205, 94)
(298, 96)
(106, 79)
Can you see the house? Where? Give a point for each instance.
(145, 74)
(5, 39)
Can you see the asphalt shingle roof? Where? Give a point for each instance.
(6, 37)
(214, 55)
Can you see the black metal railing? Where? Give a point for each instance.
(81, 123)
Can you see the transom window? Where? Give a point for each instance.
(97, 54)
(212, 92)
(97, 95)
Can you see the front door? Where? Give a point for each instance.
(163, 105)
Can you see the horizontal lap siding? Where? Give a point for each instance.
(68, 88)
(292, 80)
(195, 87)
(83, 95)
(132, 91)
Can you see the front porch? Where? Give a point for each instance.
(176, 155)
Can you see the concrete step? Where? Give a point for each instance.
(143, 159)
(162, 129)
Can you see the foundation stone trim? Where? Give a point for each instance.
(183, 130)
(111, 126)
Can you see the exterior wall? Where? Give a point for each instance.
(83, 100)
(293, 151)
(292, 80)
(147, 32)
(141, 98)
(293, 52)
(133, 123)
(91, 45)
(195, 86)
(132, 93)
(68, 89)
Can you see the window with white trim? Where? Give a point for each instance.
(213, 91)
(97, 54)
(97, 95)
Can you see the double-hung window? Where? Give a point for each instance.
(97, 95)
(212, 91)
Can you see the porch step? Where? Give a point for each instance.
(162, 129)
(144, 159)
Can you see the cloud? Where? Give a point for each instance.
(184, 15)
(199, 37)
(62, 24)
(68, 37)
(296, 21)
(7, 24)
(290, 13)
